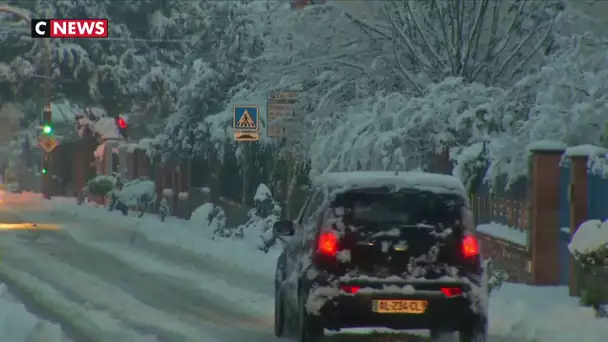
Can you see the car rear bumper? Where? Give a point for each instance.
(442, 313)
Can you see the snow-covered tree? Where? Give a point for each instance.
(214, 69)
(262, 218)
(487, 41)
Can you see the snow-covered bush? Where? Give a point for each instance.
(137, 193)
(213, 218)
(262, 217)
(101, 185)
(589, 246)
(163, 210)
(496, 275)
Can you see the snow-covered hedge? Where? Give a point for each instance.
(137, 192)
(100, 185)
(589, 245)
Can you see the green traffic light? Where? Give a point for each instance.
(43, 171)
(47, 129)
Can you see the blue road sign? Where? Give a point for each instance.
(246, 119)
(246, 123)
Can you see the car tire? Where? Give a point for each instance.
(309, 326)
(279, 313)
(478, 332)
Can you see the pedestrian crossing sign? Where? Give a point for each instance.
(246, 123)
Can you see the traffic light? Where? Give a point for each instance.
(45, 167)
(47, 124)
(122, 126)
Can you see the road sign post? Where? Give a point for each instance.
(48, 143)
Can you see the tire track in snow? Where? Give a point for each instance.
(134, 237)
(174, 300)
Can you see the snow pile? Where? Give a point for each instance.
(590, 242)
(137, 192)
(542, 314)
(212, 218)
(262, 218)
(18, 325)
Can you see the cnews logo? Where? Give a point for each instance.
(69, 28)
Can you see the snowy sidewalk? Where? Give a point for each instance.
(517, 312)
(19, 325)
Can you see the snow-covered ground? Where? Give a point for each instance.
(19, 325)
(182, 250)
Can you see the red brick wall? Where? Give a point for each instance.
(545, 239)
(512, 258)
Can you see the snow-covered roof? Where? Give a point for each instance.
(547, 145)
(585, 151)
(414, 180)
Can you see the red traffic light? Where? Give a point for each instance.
(121, 123)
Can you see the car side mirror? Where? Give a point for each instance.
(283, 228)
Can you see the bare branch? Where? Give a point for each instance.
(406, 73)
(423, 37)
(420, 57)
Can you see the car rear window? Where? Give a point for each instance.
(409, 207)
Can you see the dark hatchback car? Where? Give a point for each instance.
(380, 249)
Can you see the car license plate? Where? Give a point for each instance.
(399, 306)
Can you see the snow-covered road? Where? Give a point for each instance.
(109, 278)
(95, 291)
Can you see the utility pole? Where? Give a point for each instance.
(46, 176)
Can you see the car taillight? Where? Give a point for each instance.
(451, 291)
(327, 244)
(470, 246)
(350, 289)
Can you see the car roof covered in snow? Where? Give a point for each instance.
(402, 180)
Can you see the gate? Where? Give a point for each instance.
(564, 222)
(597, 193)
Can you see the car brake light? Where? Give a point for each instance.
(451, 291)
(350, 289)
(327, 244)
(470, 246)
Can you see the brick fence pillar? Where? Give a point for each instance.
(80, 166)
(545, 216)
(578, 208)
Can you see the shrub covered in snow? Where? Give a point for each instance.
(213, 218)
(496, 276)
(262, 217)
(100, 185)
(137, 193)
(163, 210)
(589, 246)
